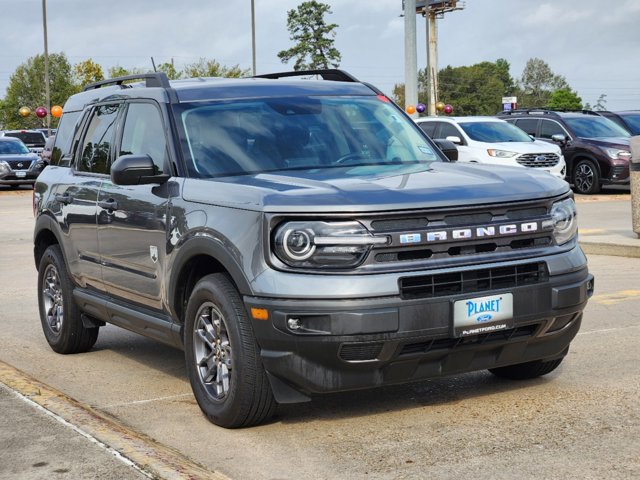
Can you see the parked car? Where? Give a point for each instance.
(629, 120)
(48, 150)
(18, 166)
(297, 237)
(33, 139)
(488, 140)
(595, 148)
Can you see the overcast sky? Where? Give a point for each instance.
(595, 45)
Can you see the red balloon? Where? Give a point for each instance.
(41, 112)
(448, 109)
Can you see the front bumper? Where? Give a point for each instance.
(361, 343)
(14, 178)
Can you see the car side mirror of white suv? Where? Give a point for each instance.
(454, 139)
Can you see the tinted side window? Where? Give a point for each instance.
(549, 128)
(448, 130)
(144, 134)
(95, 154)
(64, 136)
(428, 127)
(529, 125)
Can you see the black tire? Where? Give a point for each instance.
(223, 358)
(524, 371)
(60, 316)
(586, 178)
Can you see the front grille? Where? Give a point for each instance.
(360, 352)
(483, 339)
(472, 281)
(19, 164)
(538, 160)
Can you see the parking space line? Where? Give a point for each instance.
(146, 400)
(150, 457)
(606, 330)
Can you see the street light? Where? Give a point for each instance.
(46, 67)
(253, 36)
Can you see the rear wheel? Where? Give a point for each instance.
(586, 179)
(60, 316)
(523, 371)
(223, 358)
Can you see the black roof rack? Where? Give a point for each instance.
(158, 79)
(547, 111)
(332, 74)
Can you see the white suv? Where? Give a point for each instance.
(494, 141)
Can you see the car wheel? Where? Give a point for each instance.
(586, 179)
(223, 358)
(60, 316)
(523, 371)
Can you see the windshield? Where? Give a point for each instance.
(12, 148)
(632, 120)
(494, 132)
(277, 134)
(595, 127)
(30, 138)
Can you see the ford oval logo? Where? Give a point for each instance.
(484, 318)
(540, 158)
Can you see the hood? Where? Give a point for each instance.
(376, 188)
(19, 157)
(609, 142)
(537, 146)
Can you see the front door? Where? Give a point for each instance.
(132, 220)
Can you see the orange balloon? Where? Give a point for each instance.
(411, 109)
(56, 111)
(24, 111)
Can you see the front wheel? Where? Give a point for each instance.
(60, 316)
(223, 358)
(524, 371)
(586, 179)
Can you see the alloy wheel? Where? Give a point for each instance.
(52, 299)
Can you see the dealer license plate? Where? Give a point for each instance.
(475, 316)
(21, 174)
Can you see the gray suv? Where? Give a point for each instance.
(297, 237)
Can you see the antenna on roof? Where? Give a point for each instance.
(154, 65)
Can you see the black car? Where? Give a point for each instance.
(629, 120)
(595, 149)
(297, 237)
(18, 166)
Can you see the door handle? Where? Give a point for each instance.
(65, 198)
(110, 204)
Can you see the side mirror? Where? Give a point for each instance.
(448, 148)
(559, 138)
(136, 170)
(454, 139)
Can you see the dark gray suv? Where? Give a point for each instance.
(297, 237)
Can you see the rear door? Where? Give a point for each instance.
(132, 220)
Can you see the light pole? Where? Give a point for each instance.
(46, 67)
(253, 37)
(410, 55)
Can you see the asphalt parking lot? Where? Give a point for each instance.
(582, 421)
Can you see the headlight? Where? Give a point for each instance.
(4, 167)
(500, 153)
(617, 154)
(323, 244)
(563, 220)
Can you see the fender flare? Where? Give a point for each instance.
(46, 222)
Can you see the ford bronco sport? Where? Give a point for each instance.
(297, 237)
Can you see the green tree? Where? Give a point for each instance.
(537, 84)
(601, 103)
(87, 72)
(170, 69)
(211, 68)
(27, 89)
(118, 71)
(564, 99)
(313, 36)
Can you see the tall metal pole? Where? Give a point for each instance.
(432, 61)
(253, 36)
(46, 67)
(410, 55)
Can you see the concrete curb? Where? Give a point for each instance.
(592, 247)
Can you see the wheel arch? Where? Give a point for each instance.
(195, 259)
(46, 233)
(584, 156)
